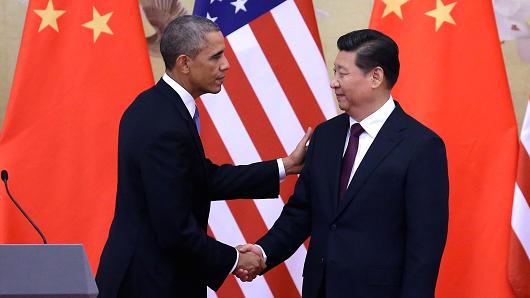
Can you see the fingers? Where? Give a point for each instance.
(250, 262)
(250, 248)
(244, 275)
(245, 247)
(303, 142)
(306, 137)
(295, 161)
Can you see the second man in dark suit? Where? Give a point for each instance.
(373, 195)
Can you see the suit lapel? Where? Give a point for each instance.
(172, 95)
(336, 144)
(386, 140)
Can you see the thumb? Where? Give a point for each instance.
(244, 248)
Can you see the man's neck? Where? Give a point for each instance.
(181, 81)
(360, 113)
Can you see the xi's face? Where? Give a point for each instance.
(208, 67)
(351, 85)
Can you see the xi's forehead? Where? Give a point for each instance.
(344, 58)
(346, 55)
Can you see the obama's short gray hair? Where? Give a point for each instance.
(185, 35)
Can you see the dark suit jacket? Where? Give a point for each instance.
(385, 238)
(157, 245)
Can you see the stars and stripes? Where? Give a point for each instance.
(277, 87)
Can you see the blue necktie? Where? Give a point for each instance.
(196, 119)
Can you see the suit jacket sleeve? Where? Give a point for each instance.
(257, 181)
(293, 226)
(165, 167)
(426, 208)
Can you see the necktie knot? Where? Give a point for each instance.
(356, 130)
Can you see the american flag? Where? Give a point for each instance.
(277, 87)
(519, 262)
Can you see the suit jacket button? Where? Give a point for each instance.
(322, 260)
(333, 227)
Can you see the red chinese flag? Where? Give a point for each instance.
(80, 65)
(453, 79)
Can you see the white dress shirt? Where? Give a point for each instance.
(189, 102)
(371, 125)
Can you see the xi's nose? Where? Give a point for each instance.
(333, 84)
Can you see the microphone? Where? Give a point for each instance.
(4, 178)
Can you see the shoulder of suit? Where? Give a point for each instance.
(334, 122)
(152, 110)
(149, 99)
(418, 128)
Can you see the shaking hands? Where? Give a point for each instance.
(251, 262)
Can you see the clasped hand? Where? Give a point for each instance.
(251, 262)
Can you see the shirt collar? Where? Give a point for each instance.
(373, 123)
(186, 97)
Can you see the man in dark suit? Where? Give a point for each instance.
(158, 245)
(373, 194)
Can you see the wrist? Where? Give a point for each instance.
(288, 165)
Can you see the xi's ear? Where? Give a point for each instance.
(182, 64)
(377, 77)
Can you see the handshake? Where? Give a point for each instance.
(251, 262)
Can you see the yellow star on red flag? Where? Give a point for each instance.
(49, 16)
(442, 13)
(394, 6)
(99, 23)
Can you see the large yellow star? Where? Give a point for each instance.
(394, 6)
(99, 23)
(442, 13)
(49, 16)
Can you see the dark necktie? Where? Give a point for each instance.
(349, 157)
(196, 119)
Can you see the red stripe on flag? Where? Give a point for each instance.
(246, 214)
(308, 13)
(254, 118)
(214, 147)
(287, 71)
(523, 173)
(230, 287)
(250, 110)
(518, 268)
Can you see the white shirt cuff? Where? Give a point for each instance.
(262, 252)
(281, 169)
(237, 261)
